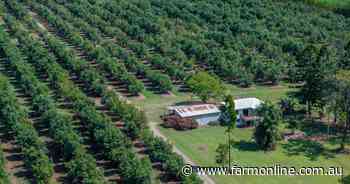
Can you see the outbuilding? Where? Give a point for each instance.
(200, 113)
(246, 110)
(204, 113)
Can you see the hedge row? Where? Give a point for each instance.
(106, 136)
(173, 69)
(129, 113)
(98, 53)
(15, 117)
(114, 68)
(64, 135)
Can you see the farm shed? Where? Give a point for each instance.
(206, 113)
(201, 113)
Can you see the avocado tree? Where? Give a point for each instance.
(345, 60)
(4, 177)
(205, 85)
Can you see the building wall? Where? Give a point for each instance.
(205, 119)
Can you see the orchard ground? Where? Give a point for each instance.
(200, 144)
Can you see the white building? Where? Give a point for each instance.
(246, 108)
(201, 113)
(206, 113)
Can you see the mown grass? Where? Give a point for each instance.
(155, 105)
(200, 144)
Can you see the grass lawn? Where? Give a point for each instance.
(155, 105)
(200, 144)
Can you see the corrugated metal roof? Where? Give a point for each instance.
(247, 103)
(203, 109)
(195, 110)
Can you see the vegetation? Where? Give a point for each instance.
(246, 153)
(117, 147)
(89, 53)
(343, 102)
(221, 156)
(331, 4)
(205, 86)
(316, 68)
(58, 122)
(4, 178)
(231, 124)
(266, 132)
(15, 118)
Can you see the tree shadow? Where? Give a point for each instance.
(310, 149)
(246, 146)
(336, 140)
(295, 94)
(194, 102)
(315, 128)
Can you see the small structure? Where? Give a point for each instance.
(246, 111)
(200, 113)
(191, 115)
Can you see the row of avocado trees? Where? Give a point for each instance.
(228, 42)
(181, 46)
(243, 56)
(60, 126)
(10, 110)
(130, 59)
(232, 25)
(4, 86)
(15, 117)
(122, 45)
(158, 149)
(147, 26)
(101, 55)
(4, 177)
(115, 69)
(107, 136)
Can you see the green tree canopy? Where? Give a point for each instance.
(205, 85)
(345, 60)
(316, 66)
(343, 103)
(266, 132)
(221, 156)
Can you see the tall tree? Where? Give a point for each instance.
(266, 132)
(316, 65)
(343, 103)
(232, 115)
(345, 61)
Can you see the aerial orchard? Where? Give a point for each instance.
(115, 143)
(99, 125)
(87, 46)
